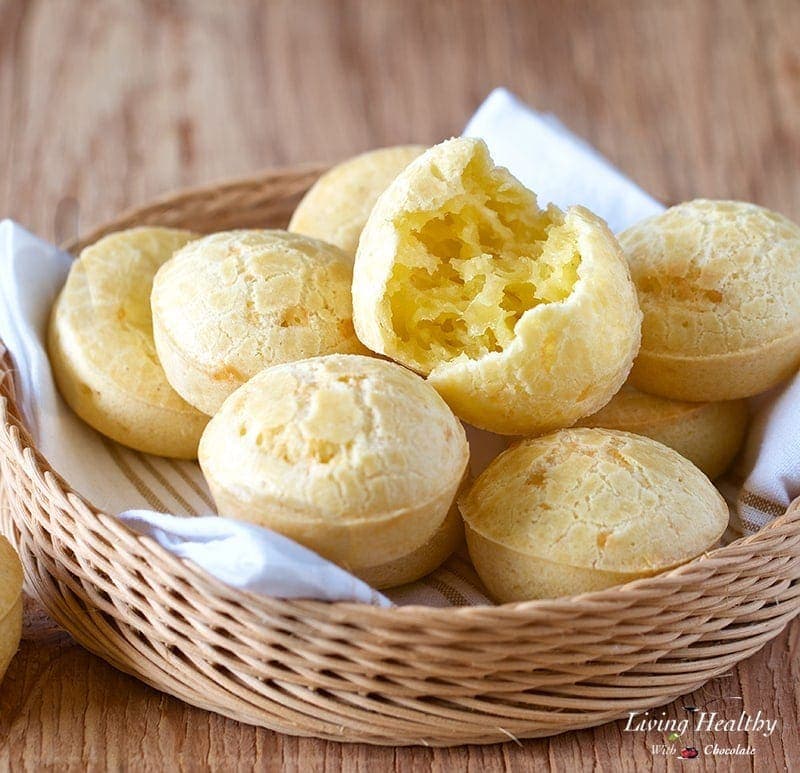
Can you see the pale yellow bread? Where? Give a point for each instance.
(719, 285)
(707, 434)
(230, 304)
(102, 350)
(421, 561)
(355, 457)
(10, 604)
(584, 509)
(337, 206)
(524, 320)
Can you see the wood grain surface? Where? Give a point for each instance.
(105, 104)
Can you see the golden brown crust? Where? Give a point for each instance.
(719, 285)
(581, 501)
(523, 319)
(230, 304)
(101, 347)
(355, 457)
(707, 434)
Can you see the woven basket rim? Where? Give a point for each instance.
(701, 565)
(163, 200)
(12, 418)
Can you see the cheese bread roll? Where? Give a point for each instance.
(233, 303)
(355, 457)
(523, 319)
(337, 206)
(584, 509)
(719, 285)
(102, 351)
(707, 434)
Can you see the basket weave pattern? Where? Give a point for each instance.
(410, 675)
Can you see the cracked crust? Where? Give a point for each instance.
(101, 346)
(354, 457)
(10, 604)
(233, 303)
(582, 509)
(523, 319)
(336, 207)
(719, 285)
(707, 434)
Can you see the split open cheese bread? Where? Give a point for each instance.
(102, 350)
(523, 319)
(355, 457)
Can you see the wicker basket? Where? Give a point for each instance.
(411, 675)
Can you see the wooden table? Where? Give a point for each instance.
(106, 104)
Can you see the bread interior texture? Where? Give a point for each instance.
(466, 272)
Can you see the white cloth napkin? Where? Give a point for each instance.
(769, 465)
(143, 489)
(562, 168)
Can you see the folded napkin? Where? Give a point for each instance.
(153, 495)
(562, 168)
(766, 478)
